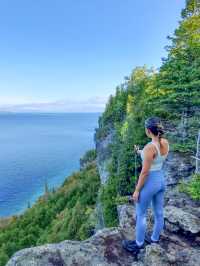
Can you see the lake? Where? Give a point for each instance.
(39, 147)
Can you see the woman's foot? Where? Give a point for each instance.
(131, 245)
(149, 240)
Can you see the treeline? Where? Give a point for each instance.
(172, 93)
(64, 213)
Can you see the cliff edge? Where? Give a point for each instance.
(179, 245)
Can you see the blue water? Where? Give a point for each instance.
(35, 148)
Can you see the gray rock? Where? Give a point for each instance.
(177, 167)
(181, 200)
(188, 256)
(155, 255)
(126, 214)
(173, 248)
(177, 219)
(127, 219)
(104, 248)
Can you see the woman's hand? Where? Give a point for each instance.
(136, 148)
(136, 195)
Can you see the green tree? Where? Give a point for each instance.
(179, 75)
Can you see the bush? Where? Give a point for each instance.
(192, 188)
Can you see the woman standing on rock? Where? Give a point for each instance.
(151, 185)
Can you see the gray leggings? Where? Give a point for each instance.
(152, 191)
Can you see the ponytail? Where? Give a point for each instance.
(160, 130)
(156, 127)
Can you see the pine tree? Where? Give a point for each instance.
(179, 75)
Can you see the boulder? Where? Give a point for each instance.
(178, 219)
(181, 200)
(127, 219)
(104, 248)
(126, 215)
(177, 167)
(155, 255)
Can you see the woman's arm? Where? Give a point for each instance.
(148, 158)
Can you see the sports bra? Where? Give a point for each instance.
(158, 160)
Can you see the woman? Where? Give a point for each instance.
(150, 186)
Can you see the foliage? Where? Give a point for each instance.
(62, 214)
(122, 200)
(108, 194)
(88, 157)
(179, 75)
(192, 187)
(114, 113)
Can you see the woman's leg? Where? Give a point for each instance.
(157, 204)
(141, 211)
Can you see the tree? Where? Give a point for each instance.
(180, 73)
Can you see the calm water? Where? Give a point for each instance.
(39, 147)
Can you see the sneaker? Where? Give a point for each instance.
(131, 245)
(149, 240)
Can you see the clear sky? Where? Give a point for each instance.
(69, 55)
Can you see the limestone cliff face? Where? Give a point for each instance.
(103, 150)
(178, 166)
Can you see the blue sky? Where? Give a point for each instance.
(69, 55)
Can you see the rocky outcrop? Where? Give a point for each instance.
(180, 239)
(179, 242)
(103, 248)
(127, 214)
(178, 219)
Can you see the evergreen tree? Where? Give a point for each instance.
(179, 75)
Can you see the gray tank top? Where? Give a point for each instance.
(158, 160)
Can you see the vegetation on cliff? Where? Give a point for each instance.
(192, 187)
